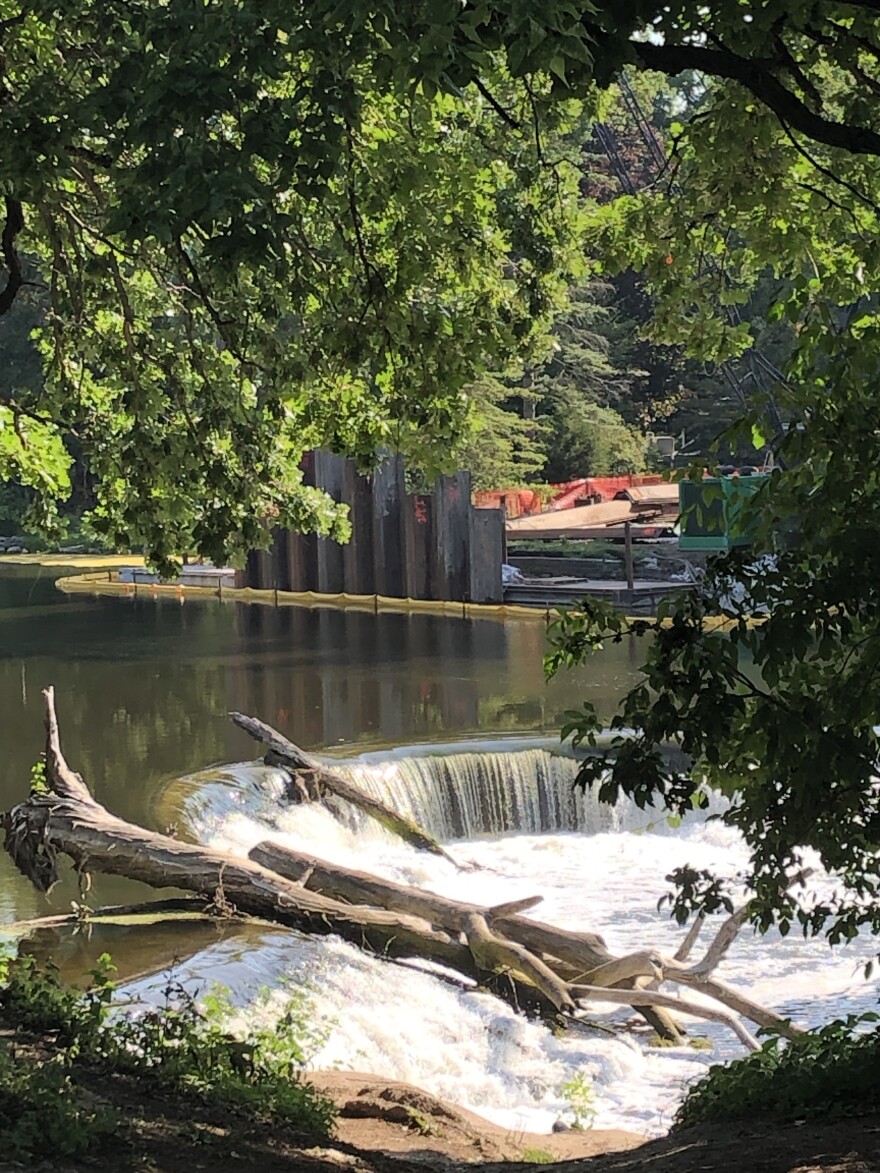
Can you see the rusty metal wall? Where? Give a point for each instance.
(429, 546)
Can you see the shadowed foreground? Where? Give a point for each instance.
(388, 1127)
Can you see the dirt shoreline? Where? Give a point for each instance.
(373, 1119)
(387, 1116)
(390, 1127)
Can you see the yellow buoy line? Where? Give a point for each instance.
(105, 581)
(59, 558)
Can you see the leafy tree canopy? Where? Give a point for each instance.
(257, 229)
(247, 240)
(589, 440)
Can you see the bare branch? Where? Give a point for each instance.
(740, 1004)
(62, 779)
(683, 952)
(724, 938)
(512, 908)
(180, 907)
(669, 1002)
(622, 969)
(730, 928)
(492, 952)
(394, 920)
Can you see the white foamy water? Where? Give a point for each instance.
(596, 867)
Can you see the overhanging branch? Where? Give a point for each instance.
(15, 278)
(759, 78)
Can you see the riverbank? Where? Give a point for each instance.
(390, 1127)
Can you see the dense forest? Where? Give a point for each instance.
(604, 388)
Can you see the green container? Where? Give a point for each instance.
(715, 524)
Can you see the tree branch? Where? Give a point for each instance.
(496, 105)
(20, 411)
(683, 952)
(807, 86)
(669, 1002)
(204, 298)
(15, 279)
(63, 781)
(759, 78)
(828, 173)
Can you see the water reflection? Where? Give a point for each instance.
(350, 676)
(139, 950)
(144, 686)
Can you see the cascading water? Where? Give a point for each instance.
(510, 807)
(472, 795)
(465, 792)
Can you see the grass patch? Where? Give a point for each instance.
(538, 1157)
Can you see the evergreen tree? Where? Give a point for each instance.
(582, 389)
(505, 449)
(590, 440)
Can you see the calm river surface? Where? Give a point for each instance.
(143, 687)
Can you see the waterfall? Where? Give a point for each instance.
(596, 867)
(472, 795)
(478, 790)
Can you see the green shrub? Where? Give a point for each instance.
(34, 999)
(189, 1048)
(581, 1100)
(833, 1071)
(179, 1047)
(41, 1114)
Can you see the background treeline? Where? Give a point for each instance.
(604, 390)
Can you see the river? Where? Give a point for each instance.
(144, 685)
(450, 719)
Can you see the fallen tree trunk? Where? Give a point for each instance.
(584, 952)
(175, 908)
(580, 958)
(537, 963)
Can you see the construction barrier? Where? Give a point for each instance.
(565, 495)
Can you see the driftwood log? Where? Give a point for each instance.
(530, 964)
